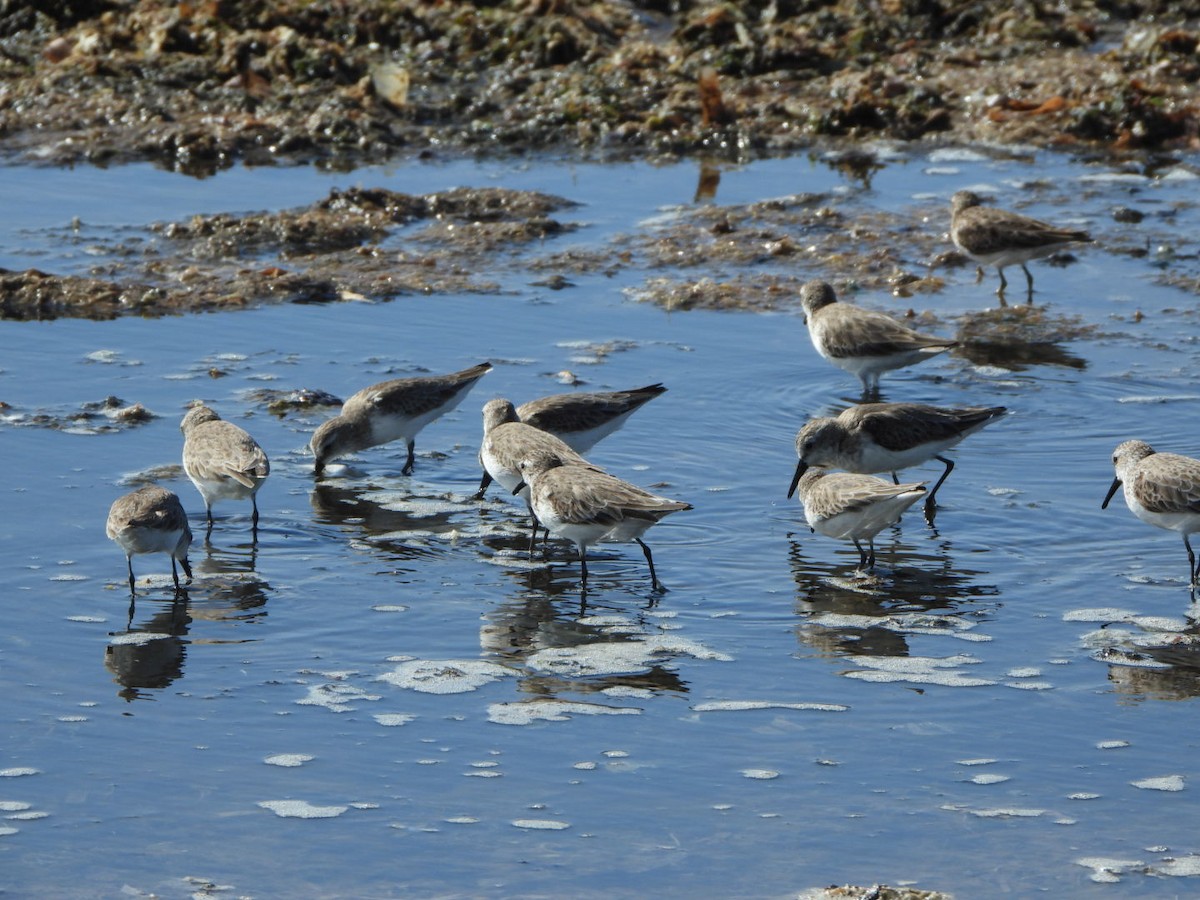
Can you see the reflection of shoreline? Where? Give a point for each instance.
(845, 614)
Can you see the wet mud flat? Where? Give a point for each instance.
(198, 86)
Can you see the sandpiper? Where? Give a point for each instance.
(506, 442)
(390, 411)
(997, 237)
(1161, 489)
(151, 520)
(579, 420)
(860, 341)
(585, 505)
(854, 507)
(582, 420)
(885, 437)
(222, 460)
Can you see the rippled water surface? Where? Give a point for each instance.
(384, 697)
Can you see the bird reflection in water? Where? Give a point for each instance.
(150, 656)
(1169, 671)
(531, 622)
(1016, 338)
(231, 588)
(912, 582)
(554, 575)
(403, 525)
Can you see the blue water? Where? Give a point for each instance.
(1002, 757)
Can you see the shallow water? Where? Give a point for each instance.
(305, 724)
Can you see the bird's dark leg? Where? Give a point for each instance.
(129, 562)
(483, 486)
(862, 555)
(895, 478)
(254, 515)
(1028, 283)
(871, 555)
(654, 582)
(408, 463)
(930, 504)
(583, 566)
(533, 534)
(174, 575)
(1193, 570)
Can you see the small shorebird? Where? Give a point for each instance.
(390, 411)
(506, 442)
(151, 520)
(885, 437)
(579, 420)
(860, 341)
(854, 507)
(585, 505)
(1161, 489)
(997, 237)
(582, 420)
(222, 460)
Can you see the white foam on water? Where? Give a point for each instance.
(760, 774)
(393, 720)
(738, 705)
(541, 824)
(453, 676)
(525, 712)
(336, 697)
(1161, 783)
(301, 809)
(287, 760)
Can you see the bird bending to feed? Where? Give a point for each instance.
(151, 520)
(585, 505)
(506, 442)
(854, 507)
(885, 437)
(860, 341)
(997, 237)
(579, 420)
(1161, 489)
(390, 411)
(222, 460)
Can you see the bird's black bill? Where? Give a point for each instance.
(801, 467)
(520, 487)
(1112, 490)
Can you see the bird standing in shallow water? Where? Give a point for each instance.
(997, 237)
(222, 460)
(585, 505)
(854, 507)
(151, 520)
(579, 420)
(390, 411)
(860, 341)
(506, 442)
(885, 437)
(1161, 489)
